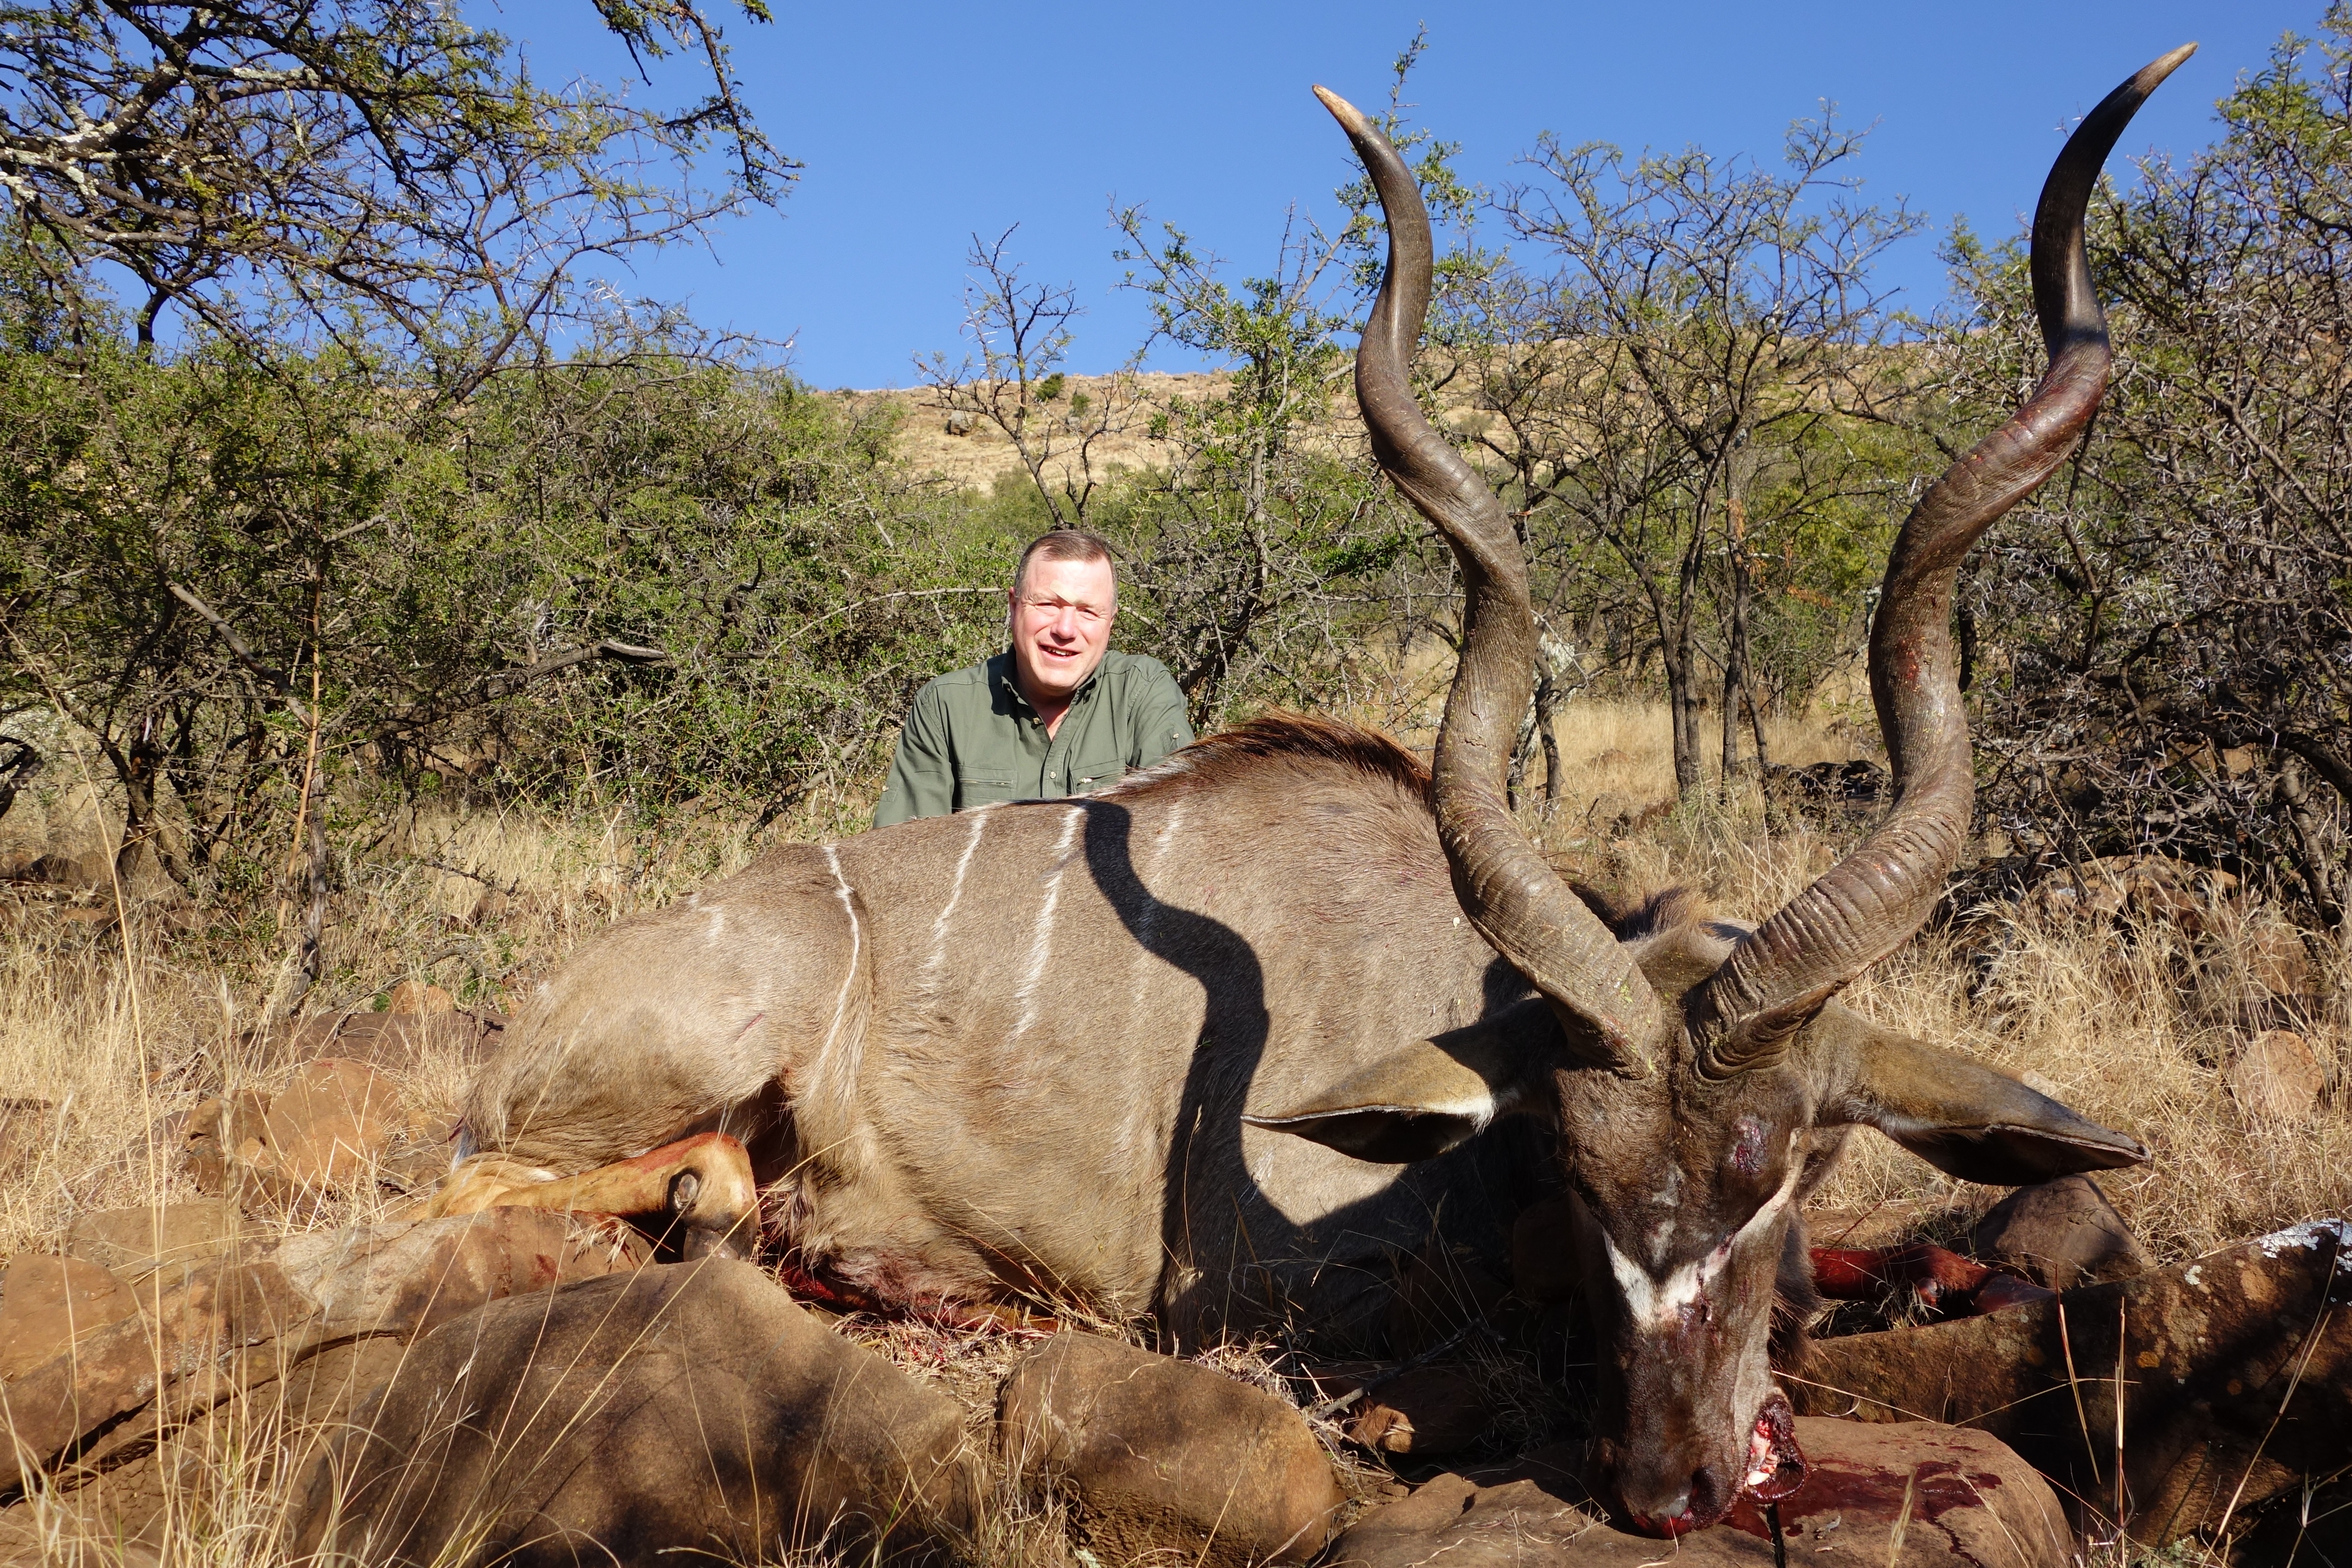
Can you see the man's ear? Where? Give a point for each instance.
(1425, 1097)
(1962, 1118)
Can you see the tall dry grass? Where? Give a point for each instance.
(112, 1028)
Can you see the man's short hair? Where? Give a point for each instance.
(1064, 544)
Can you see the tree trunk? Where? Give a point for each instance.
(1754, 718)
(1735, 657)
(1546, 728)
(314, 911)
(1682, 702)
(142, 830)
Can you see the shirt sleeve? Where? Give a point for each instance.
(1160, 723)
(922, 774)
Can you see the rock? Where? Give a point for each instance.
(960, 422)
(338, 1124)
(687, 1409)
(1971, 1502)
(1515, 1522)
(214, 1131)
(1969, 1496)
(2237, 1375)
(2277, 964)
(2277, 1077)
(47, 1304)
(1155, 1455)
(1429, 1411)
(136, 1241)
(223, 1322)
(327, 1129)
(412, 999)
(1543, 1251)
(243, 1450)
(2060, 1233)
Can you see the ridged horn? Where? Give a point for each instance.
(1870, 903)
(1509, 892)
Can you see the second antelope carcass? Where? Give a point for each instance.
(1213, 1043)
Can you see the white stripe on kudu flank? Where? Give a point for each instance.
(1040, 935)
(845, 1072)
(955, 894)
(1166, 836)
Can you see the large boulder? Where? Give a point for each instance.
(2060, 1233)
(339, 1124)
(49, 1304)
(208, 1328)
(1159, 1455)
(2236, 1371)
(2277, 1079)
(1911, 1496)
(689, 1409)
(136, 1241)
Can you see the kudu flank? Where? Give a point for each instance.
(1217, 1043)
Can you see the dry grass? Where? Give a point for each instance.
(107, 1031)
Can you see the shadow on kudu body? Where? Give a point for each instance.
(1009, 1052)
(1219, 1042)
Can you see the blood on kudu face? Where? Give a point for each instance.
(1061, 620)
(1699, 1190)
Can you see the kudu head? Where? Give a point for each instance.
(1697, 1070)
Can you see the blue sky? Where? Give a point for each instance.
(921, 124)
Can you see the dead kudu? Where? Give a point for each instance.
(1211, 1043)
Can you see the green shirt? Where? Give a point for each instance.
(972, 738)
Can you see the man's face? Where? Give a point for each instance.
(1061, 625)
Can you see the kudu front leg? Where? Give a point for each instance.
(695, 1195)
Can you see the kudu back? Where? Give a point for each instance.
(1216, 1042)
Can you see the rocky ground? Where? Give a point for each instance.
(214, 1379)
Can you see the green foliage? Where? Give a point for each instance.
(650, 573)
(368, 174)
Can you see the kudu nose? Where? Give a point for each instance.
(1704, 1500)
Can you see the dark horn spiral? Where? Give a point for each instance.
(1509, 892)
(1742, 1016)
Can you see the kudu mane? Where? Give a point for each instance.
(1291, 741)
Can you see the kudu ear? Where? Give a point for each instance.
(1962, 1118)
(1429, 1096)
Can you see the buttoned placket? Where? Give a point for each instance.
(1053, 780)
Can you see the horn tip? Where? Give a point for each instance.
(2152, 74)
(1346, 113)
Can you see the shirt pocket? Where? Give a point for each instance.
(983, 786)
(1100, 773)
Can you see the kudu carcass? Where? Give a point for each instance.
(1057, 1048)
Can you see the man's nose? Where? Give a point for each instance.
(1065, 625)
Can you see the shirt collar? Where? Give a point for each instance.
(1001, 668)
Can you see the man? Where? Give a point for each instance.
(1057, 713)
